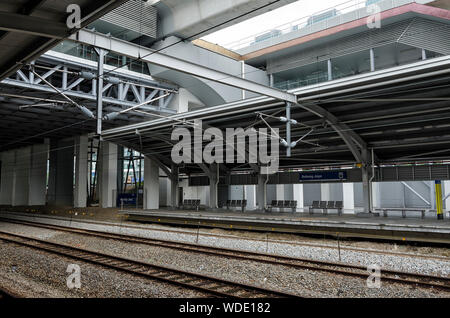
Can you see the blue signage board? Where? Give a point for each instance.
(323, 176)
(127, 199)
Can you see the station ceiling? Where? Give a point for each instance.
(29, 28)
(404, 122)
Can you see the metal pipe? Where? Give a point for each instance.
(370, 181)
(101, 59)
(288, 130)
(83, 109)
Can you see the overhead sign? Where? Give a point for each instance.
(324, 176)
(126, 199)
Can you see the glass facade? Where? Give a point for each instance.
(386, 56)
(112, 59)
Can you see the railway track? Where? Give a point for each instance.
(206, 284)
(6, 294)
(415, 279)
(341, 247)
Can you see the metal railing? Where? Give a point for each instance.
(345, 12)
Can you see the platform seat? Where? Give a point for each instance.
(339, 206)
(325, 206)
(286, 204)
(241, 204)
(315, 205)
(422, 211)
(191, 204)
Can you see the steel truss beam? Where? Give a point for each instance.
(157, 58)
(69, 79)
(134, 51)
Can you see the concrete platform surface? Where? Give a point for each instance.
(421, 230)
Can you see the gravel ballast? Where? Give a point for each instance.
(303, 282)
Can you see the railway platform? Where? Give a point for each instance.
(351, 226)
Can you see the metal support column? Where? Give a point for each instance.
(262, 191)
(366, 181)
(330, 70)
(213, 186)
(175, 190)
(288, 130)
(424, 54)
(101, 60)
(439, 205)
(243, 76)
(372, 60)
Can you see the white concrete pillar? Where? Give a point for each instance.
(213, 187)
(164, 190)
(38, 175)
(366, 189)
(280, 192)
(250, 196)
(348, 190)
(376, 197)
(174, 187)
(325, 192)
(81, 172)
(7, 177)
(107, 173)
(60, 181)
(151, 185)
(21, 183)
(261, 196)
(298, 196)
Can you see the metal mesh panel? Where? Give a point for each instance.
(422, 173)
(350, 44)
(430, 35)
(136, 16)
(406, 173)
(439, 172)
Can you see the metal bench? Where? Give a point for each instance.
(191, 204)
(327, 205)
(286, 204)
(242, 204)
(315, 205)
(339, 206)
(422, 211)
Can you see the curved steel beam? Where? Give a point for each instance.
(351, 139)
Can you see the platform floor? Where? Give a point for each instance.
(347, 225)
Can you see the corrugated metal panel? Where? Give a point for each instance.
(350, 44)
(389, 174)
(427, 34)
(422, 172)
(135, 15)
(406, 173)
(439, 172)
(384, 174)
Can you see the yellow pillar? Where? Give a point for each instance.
(439, 203)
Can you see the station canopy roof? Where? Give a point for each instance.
(29, 28)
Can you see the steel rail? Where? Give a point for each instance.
(424, 280)
(348, 248)
(203, 283)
